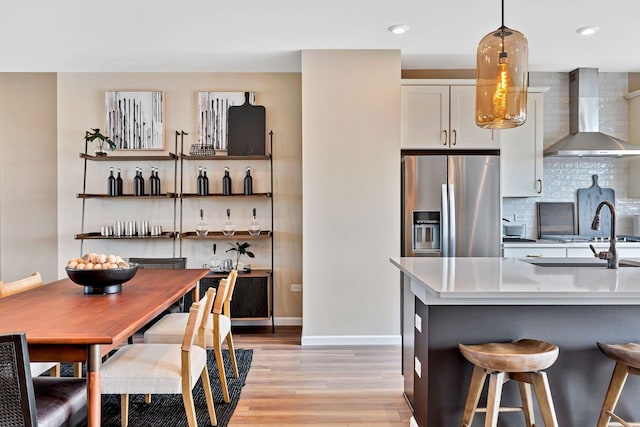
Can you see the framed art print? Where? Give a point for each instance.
(213, 109)
(135, 119)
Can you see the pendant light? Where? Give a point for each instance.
(502, 79)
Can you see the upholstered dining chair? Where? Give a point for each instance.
(164, 368)
(11, 288)
(35, 402)
(218, 330)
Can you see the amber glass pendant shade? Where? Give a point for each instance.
(501, 84)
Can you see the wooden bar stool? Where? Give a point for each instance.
(520, 361)
(627, 357)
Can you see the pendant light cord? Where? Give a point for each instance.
(502, 32)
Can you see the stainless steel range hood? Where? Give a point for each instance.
(585, 139)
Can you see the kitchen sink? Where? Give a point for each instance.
(579, 262)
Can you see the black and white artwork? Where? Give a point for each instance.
(135, 120)
(213, 109)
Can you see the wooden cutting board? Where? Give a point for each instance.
(588, 201)
(247, 129)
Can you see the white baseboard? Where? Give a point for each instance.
(351, 340)
(279, 321)
(413, 423)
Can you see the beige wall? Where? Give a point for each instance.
(634, 81)
(28, 205)
(351, 187)
(81, 106)
(439, 74)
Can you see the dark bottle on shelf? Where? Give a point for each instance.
(226, 183)
(138, 183)
(119, 184)
(205, 182)
(111, 183)
(200, 182)
(248, 183)
(158, 186)
(152, 184)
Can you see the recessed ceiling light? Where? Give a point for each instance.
(399, 29)
(587, 31)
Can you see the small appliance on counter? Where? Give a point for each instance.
(513, 232)
(512, 229)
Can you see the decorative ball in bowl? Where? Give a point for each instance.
(100, 274)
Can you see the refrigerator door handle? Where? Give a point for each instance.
(444, 233)
(452, 221)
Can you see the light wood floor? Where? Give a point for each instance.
(290, 385)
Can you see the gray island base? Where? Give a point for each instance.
(446, 301)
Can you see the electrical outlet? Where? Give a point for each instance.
(296, 287)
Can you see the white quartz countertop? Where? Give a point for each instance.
(510, 281)
(557, 244)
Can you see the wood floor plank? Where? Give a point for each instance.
(291, 385)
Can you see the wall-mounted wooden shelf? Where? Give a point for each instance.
(109, 158)
(98, 236)
(126, 196)
(196, 196)
(217, 235)
(190, 157)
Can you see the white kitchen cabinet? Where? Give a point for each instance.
(535, 252)
(585, 252)
(634, 138)
(521, 152)
(442, 116)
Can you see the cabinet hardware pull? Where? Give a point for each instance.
(539, 181)
(454, 136)
(445, 137)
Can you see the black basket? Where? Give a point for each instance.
(202, 150)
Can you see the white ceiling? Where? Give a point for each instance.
(262, 35)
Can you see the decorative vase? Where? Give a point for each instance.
(100, 151)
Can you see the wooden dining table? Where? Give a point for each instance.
(63, 324)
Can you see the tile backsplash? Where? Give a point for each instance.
(564, 176)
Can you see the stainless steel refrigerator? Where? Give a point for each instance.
(451, 205)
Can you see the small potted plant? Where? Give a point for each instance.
(241, 249)
(93, 134)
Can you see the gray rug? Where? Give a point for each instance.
(168, 409)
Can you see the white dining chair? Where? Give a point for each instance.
(218, 330)
(164, 368)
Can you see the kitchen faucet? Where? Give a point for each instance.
(612, 254)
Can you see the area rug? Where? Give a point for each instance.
(168, 409)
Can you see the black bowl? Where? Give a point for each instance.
(102, 281)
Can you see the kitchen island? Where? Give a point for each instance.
(474, 300)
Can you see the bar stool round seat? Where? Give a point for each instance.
(627, 358)
(522, 361)
(520, 356)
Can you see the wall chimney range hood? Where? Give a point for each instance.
(585, 138)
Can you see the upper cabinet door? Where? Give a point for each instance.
(465, 134)
(425, 117)
(521, 153)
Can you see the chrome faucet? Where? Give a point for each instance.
(612, 254)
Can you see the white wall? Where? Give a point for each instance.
(351, 190)
(28, 202)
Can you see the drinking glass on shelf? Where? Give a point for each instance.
(229, 228)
